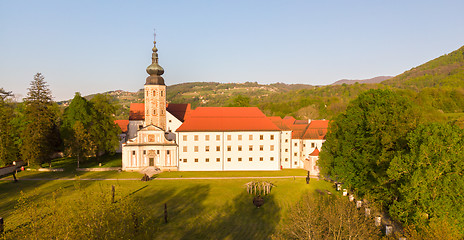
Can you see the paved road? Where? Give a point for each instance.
(138, 179)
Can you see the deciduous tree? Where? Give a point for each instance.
(8, 148)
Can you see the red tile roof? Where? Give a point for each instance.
(122, 124)
(315, 153)
(298, 130)
(280, 123)
(227, 119)
(137, 111)
(317, 129)
(179, 110)
(289, 120)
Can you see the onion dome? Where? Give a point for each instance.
(155, 70)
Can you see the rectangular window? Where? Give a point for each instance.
(312, 145)
(195, 137)
(229, 148)
(286, 140)
(184, 137)
(250, 159)
(195, 149)
(304, 144)
(218, 148)
(206, 137)
(272, 137)
(196, 159)
(133, 152)
(261, 147)
(239, 159)
(251, 137)
(296, 164)
(161, 93)
(207, 160)
(167, 152)
(296, 144)
(286, 159)
(272, 147)
(295, 154)
(229, 159)
(250, 148)
(206, 148)
(185, 159)
(184, 148)
(157, 151)
(261, 137)
(261, 159)
(229, 137)
(218, 137)
(144, 152)
(239, 137)
(272, 158)
(239, 148)
(218, 159)
(286, 150)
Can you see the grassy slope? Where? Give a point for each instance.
(447, 70)
(197, 209)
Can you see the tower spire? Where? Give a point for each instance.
(154, 70)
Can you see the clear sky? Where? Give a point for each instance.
(93, 46)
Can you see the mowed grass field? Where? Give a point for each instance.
(197, 209)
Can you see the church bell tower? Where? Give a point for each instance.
(155, 93)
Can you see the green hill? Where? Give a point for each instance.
(444, 71)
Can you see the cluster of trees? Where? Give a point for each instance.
(36, 128)
(387, 150)
(327, 217)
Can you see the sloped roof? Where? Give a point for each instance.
(289, 120)
(317, 129)
(298, 130)
(122, 124)
(210, 119)
(137, 111)
(179, 110)
(315, 153)
(280, 123)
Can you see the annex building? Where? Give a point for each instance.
(177, 138)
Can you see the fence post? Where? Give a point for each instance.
(166, 213)
(112, 190)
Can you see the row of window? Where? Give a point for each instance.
(250, 159)
(229, 137)
(154, 93)
(229, 148)
(313, 145)
(151, 152)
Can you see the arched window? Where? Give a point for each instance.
(154, 112)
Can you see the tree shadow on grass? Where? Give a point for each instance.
(238, 219)
(183, 205)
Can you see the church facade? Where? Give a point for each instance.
(173, 137)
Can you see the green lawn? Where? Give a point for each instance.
(197, 209)
(190, 174)
(69, 163)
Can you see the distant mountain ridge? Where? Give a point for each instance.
(378, 79)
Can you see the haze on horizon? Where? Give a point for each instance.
(97, 46)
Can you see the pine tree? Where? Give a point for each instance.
(38, 135)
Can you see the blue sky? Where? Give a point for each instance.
(95, 46)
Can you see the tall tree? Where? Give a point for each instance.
(429, 176)
(76, 128)
(362, 142)
(105, 133)
(8, 148)
(38, 140)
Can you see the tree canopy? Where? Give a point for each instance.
(362, 141)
